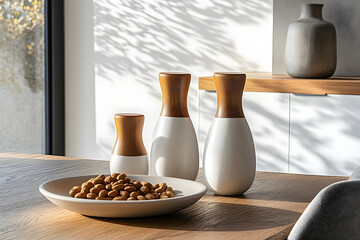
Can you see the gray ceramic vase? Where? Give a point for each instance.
(311, 45)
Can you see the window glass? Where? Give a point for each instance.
(22, 104)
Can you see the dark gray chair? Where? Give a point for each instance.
(333, 214)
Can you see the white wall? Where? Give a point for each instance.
(80, 124)
(115, 49)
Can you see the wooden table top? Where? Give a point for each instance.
(267, 211)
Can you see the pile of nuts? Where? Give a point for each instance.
(119, 187)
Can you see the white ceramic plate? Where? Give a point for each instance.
(186, 193)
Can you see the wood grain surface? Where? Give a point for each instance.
(34, 156)
(266, 82)
(267, 211)
(230, 87)
(129, 128)
(174, 88)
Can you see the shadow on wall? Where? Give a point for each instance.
(141, 38)
(324, 131)
(325, 134)
(135, 37)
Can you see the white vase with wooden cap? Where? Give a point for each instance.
(174, 150)
(129, 154)
(229, 155)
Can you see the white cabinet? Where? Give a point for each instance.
(268, 117)
(324, 134)
(307, 134)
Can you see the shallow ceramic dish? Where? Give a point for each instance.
(186, 193)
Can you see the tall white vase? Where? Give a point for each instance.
(229, 155)
(174, 149)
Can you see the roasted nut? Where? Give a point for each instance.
(147, 184)
(170, 194)
(124, 194)
(126, 180)
(163, 195)
(159, 190)
(91, 179)
(169, 189)
(108, 187)
(99, 186)
(149, 196)
(77, 188)
(137, 184)
(95, 190)
(135, 194)
(132, 181)
(91, 195)
(113, 193)
(87, 185)
(118, 186)
(155, 194)
(129, 184)
(131, 199)
(80, 195)
(109, 179)
(103, 198)
(97, 181)
(144, 189)
(140, 197)
(156, 185)
(85, 190)
(114, 175)
(163, 186)
(74, 191)
(121, 176)
(103, 193)
(130, 189)
(102, 176)
(119, 198)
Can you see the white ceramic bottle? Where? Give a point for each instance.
(229, 155)
(129, 154)
(174, 150)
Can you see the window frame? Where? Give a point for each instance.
(54, 78)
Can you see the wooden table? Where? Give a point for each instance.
(267, 211)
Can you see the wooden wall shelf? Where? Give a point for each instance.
(267, 82)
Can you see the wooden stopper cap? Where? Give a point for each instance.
(174, 87)
(129, 127)
(229, 88)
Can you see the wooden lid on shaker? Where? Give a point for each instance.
(174, 87)
(229, 89)
(129, 127)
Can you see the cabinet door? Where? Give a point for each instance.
(268, 118)
(324, 134)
